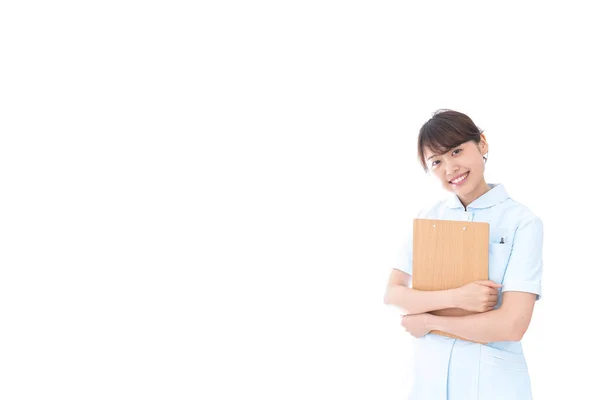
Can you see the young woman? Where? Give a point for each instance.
(453, 149)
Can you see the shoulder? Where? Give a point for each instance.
(520, 213)
(433, 210)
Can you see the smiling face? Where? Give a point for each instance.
(451, 148)
(460, 169)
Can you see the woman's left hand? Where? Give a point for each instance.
(416, 324)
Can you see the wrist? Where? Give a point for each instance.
(431, 322)
(453, 298)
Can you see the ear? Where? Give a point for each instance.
(483, 145)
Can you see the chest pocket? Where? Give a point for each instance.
(499, 251)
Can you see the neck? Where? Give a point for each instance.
(474, 194)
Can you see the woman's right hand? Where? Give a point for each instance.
(479, 296)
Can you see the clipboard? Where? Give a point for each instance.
(449, 254)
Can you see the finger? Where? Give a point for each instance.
(494, 290)
(489, 283)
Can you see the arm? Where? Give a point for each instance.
(509, 322)
(522, 287)
(411, 301)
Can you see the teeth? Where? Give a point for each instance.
(459, 179)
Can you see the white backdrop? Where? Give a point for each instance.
(205, 201)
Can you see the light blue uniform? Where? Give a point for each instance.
(454, 369)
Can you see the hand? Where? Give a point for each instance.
(416, 324)
(480, 296)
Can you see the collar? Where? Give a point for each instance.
(495, 195)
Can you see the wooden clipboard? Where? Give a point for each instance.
(447, 255)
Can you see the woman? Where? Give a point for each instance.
(453, 149)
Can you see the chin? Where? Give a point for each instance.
(457, 190)
(450, 189)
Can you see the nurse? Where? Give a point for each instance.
(454, 150)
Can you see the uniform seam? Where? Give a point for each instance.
(448, 368)
(479, 371)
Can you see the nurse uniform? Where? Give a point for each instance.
(453, 369)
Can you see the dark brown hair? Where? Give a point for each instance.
(445, 130)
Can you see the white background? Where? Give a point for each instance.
(205, 200)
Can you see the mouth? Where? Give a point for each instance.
(459, 180)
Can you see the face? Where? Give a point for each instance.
(460, 170)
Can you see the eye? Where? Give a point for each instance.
(434, 163)
(456, 151)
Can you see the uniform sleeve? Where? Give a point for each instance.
(524, 268)
(404, 256)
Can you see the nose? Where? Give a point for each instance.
(451, 169)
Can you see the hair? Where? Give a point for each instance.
(445, 130)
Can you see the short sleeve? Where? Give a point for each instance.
(404, 256)
(525, 264)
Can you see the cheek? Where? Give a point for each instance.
(478, 167)
(443, 179)
(439, 175)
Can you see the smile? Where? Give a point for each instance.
(460, 179)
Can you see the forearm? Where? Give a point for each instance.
(492, 326)
(412, 301)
